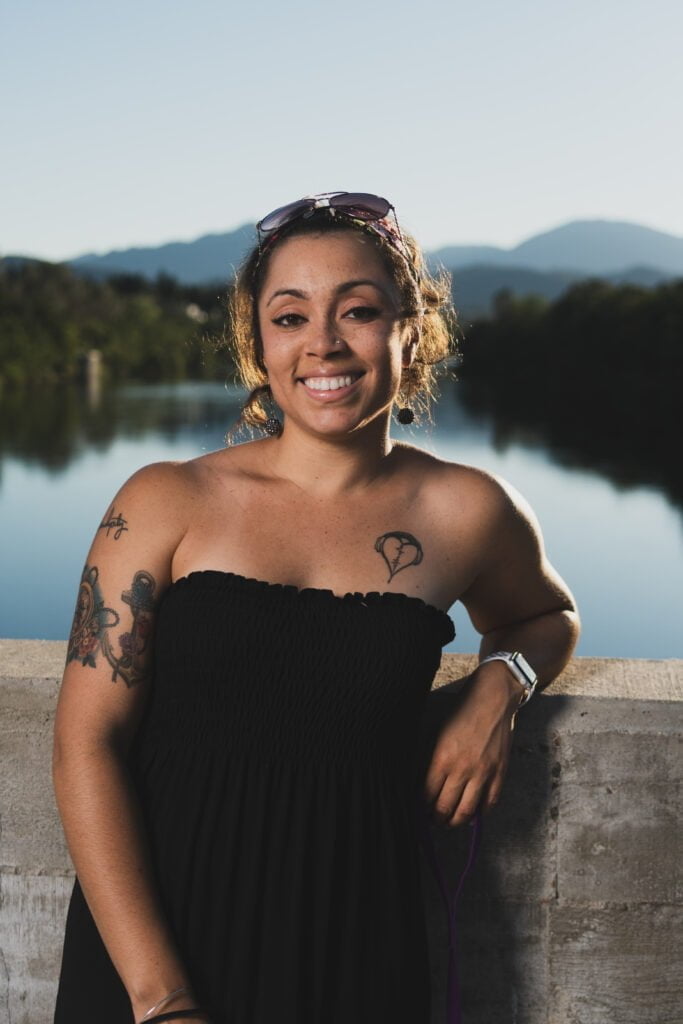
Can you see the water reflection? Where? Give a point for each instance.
(53, 427)
(64, 455)
(643, 458)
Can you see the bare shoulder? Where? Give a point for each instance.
(174, 489)
(511, 576)
(144, 521)
(163, 501)
(493, 499)
(165, 478)
(233, 463)
(155, 483)
(458, 489)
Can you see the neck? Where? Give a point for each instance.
(327, 467)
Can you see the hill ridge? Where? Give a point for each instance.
(580, 246)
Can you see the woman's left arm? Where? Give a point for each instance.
(518, 602)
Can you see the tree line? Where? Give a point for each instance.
(597, 374)
(51, 317)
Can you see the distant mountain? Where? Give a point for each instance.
(542, 265)
(602, 247)
(475, 288)
(582, 246)
(207, 259)
(14, 262)
(467, 256)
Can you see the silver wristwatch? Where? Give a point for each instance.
(520, 668)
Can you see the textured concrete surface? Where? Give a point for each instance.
(571, 913)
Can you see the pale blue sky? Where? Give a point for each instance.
(487, 121)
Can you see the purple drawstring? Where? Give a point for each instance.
(453, 1013)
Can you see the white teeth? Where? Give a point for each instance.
(328, 383)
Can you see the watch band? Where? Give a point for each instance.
(520, 668)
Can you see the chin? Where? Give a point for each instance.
(339, 424)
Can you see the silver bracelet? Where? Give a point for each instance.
(162, 1002)
(520, 668)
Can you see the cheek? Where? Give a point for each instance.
(273, 347)
(391, 356)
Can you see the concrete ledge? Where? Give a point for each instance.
(584, 677)
(570, 913)
(32, 659)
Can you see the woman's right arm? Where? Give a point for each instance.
(104, 690)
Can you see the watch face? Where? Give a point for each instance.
(525, 667)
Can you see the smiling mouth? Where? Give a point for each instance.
(331, 383)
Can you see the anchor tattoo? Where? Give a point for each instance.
(93, 620)
(399, 550)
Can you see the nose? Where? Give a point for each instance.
(326, 340)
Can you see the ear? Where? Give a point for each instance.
(410, 344)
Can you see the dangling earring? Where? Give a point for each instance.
(405, 414)
(273, 426)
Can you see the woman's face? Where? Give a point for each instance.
(333, 344)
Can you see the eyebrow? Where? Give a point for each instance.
(345, 287)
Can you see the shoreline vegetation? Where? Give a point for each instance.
(51, 317)
(595, 376)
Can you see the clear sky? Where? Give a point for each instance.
(145, 121)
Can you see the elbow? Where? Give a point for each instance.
(576, 622)
(573, 625)
(567, 621)
(564, 637)
(76, 759)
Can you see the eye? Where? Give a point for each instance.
(363, 313)
(288, 320)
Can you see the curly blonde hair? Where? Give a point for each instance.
(423, 294)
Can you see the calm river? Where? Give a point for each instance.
(63, 458)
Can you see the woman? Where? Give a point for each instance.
(236, 759)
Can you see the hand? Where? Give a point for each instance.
(471, 754)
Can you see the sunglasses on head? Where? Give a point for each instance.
(372, 211)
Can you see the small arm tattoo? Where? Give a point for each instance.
(93, 621)
(114, 522)
(399, 550)
(129, 664)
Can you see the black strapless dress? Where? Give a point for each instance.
(277, 769)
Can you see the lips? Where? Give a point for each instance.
(326, 388)
(331, 383)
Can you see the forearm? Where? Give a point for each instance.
(104, 831)
(546, 641)
(471, 755)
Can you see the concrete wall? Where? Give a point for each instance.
(570, 915)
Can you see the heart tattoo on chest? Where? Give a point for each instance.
(399, 550)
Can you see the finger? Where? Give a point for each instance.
(449, 797)
(493, 792)
(435, 801)
(466, 807)
(433, 783)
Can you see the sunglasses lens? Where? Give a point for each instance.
(283, 215)
(363, 205)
